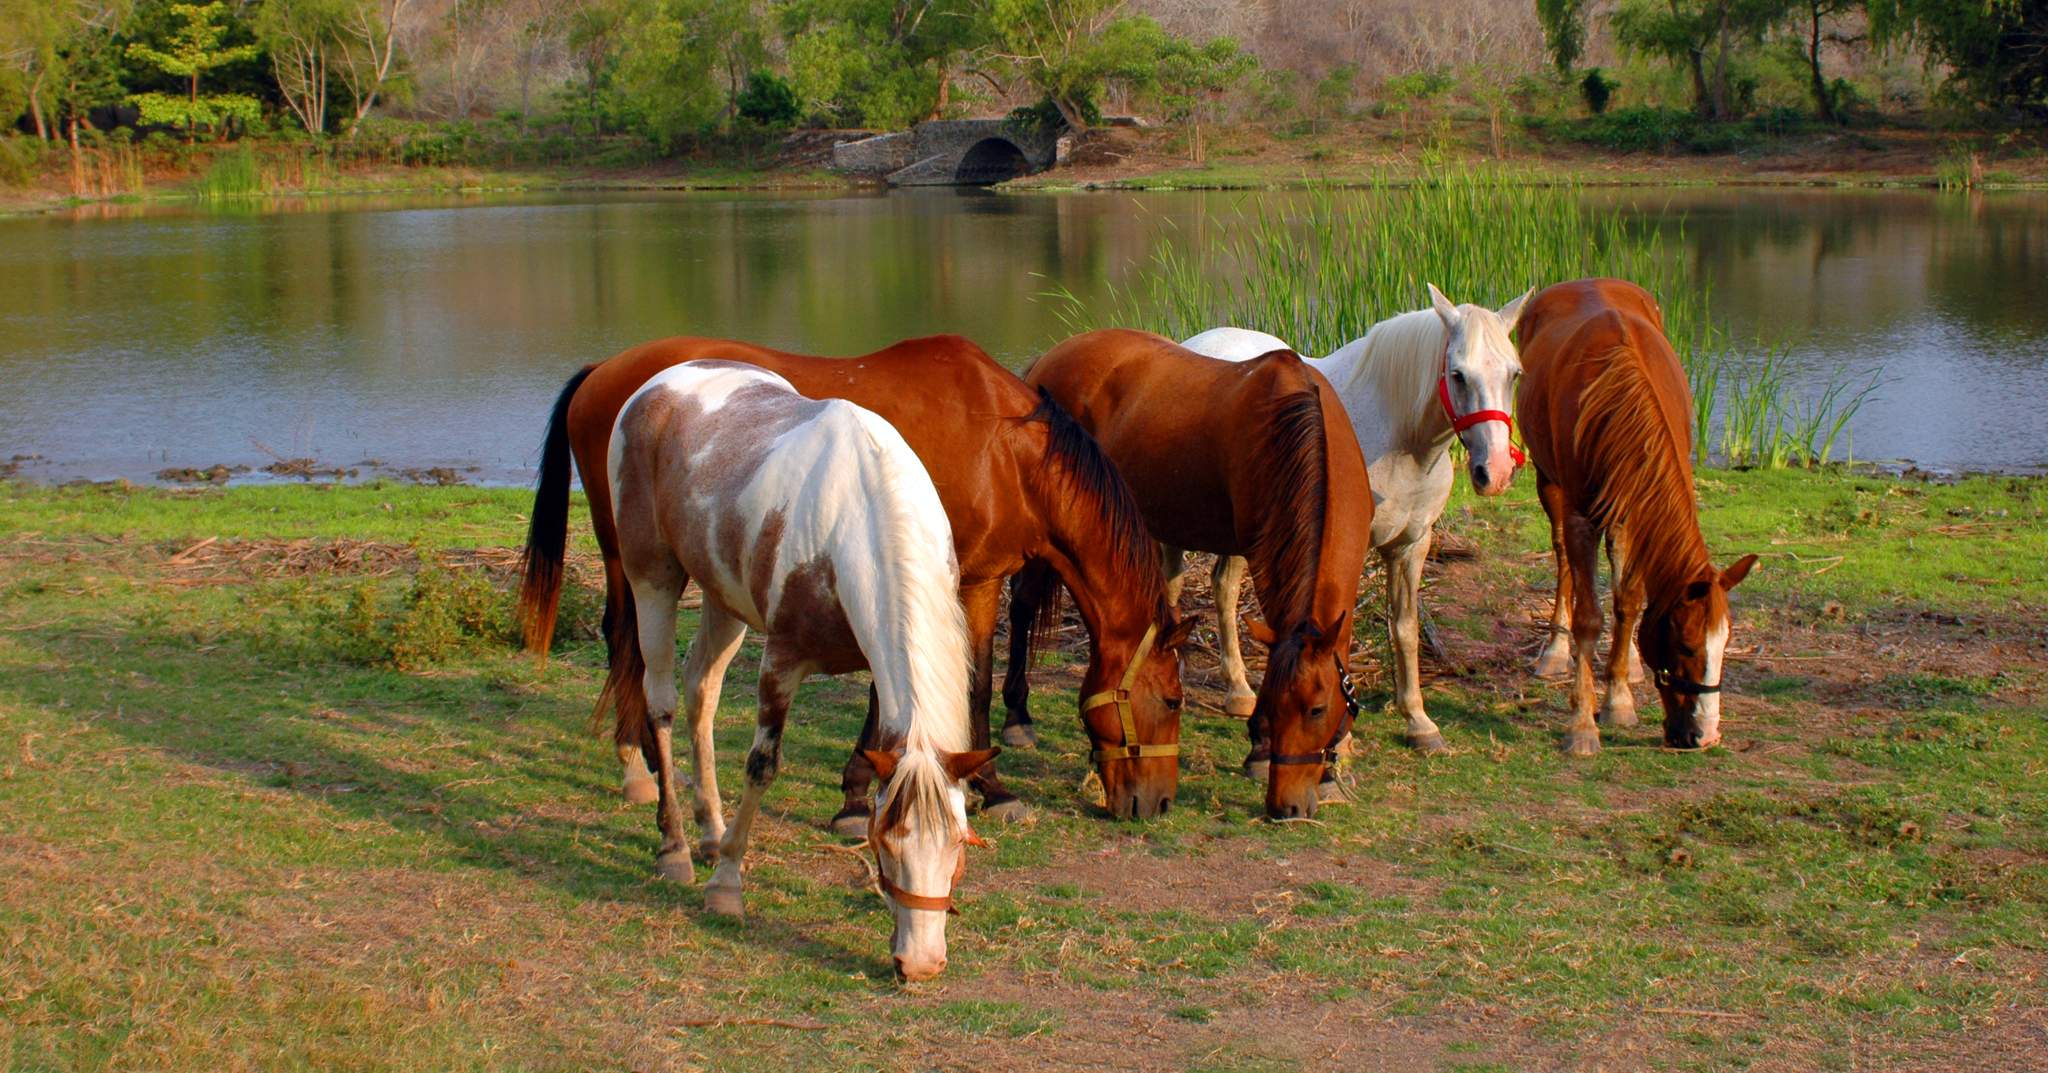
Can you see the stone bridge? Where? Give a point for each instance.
(951, 152)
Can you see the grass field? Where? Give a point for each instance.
(274, 795)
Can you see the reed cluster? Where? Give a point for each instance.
(1318, 271)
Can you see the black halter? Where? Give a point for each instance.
(1677, 684)
(1328, 755)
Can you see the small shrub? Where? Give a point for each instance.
(20, 159)
(768, 100)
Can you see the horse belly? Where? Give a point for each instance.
(809, 621)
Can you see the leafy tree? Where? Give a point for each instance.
(1188, 75)
(1996, 50)
(301, 37)
(1070, 49)
(1706, 36)
(1334, 93)
(881, 62)
(1809, 19)
(1564, 31)
(768, 100)
(194, 49)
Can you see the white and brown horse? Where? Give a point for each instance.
(1410, 385)
(814, 523)
(1607, 415)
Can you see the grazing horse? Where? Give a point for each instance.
(1607, 417)
(1022, 484)
(814, 523)
(1411, 385)
(1254, 459)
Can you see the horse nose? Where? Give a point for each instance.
(914, 971)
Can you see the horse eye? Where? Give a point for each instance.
(1173, 704)
(1317, 711)
(1458, 377)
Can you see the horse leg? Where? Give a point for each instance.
(1404, 587)
(1029, 590)
(852, 819)
(710, 652)
(1173, 565)
(655, 598)
(1228, 581)
(1556, 657)
(632, 736)
(780, 675)
(982, 603)
(1582, 548)
(1620, 707)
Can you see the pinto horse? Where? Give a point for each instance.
(1607, 417)
(1412, 384)
(814, 523)
(1021, 482)
(1254, 459)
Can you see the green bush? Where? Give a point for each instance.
(1597, 89)
(769, 100)
(20, 159)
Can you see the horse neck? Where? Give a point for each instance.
(1287, 553)
(1111, 567)
(902, 604)
(1387, 379)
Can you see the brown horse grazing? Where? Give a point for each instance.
(1251, 458)
(1021, 483)
(1607, 416)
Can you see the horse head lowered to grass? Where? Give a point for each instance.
(1607, 416)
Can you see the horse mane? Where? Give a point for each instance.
(920, 797)
(1089, 474)
(1402, 356)
(1291, 501)
(1645, 490)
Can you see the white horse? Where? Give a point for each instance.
(814, 523)
(1411, 384)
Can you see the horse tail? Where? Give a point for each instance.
(547, 531)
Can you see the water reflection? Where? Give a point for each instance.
(434, 331)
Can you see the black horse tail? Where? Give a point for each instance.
(547, 531)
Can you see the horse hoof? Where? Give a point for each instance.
(675, 866)
(1009, 810)
(849, 824)
(1020, 736)
(1240, 705)
(641, 790)
(1430, 744)
(1581, 743)
(1256, 770)
(1551, 665)
(1618, 717)
(724, 901)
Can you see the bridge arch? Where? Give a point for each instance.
(991, 160)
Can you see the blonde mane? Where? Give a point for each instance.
(1645, 495)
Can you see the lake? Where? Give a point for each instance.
(418, 332)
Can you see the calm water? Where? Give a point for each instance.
(436, 332)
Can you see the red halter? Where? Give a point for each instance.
(1477, 417)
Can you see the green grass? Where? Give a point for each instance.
(231, 839)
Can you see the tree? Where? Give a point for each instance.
(1996, 50)
(1704, 35)
(1564, 31)
(1187, 75)
(300, 36)
(365, 45)
(1070, 49)
(882, 62)
(194, 49)
(1809, 17)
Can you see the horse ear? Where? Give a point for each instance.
(1261, 632)
(961, 765)
(1444, 308)
(1178, 635)
(884, 763)
(1512, 312)
(1736, 571)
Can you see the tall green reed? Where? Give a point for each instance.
(1320, 270)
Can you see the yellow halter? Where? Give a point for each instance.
(1121, 697)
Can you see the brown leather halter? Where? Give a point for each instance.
(941, 903)
(1131, 749)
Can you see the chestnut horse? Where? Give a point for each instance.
(1411, 384)
(1252, 458)
(813, 523)
(1607, 417)
(1021, 483)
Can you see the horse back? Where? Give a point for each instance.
(1570, 333)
